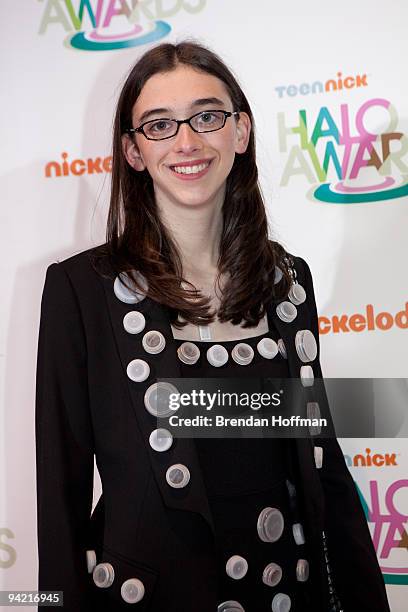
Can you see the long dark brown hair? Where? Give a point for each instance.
(137, 239)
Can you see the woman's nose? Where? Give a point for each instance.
(187, 139)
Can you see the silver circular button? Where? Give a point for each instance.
(281, 603)
(286, 311)
(217, 355)
(272, 574)
(103, 575)
(282, 348)
(297, 294)
(188, 353)
(134, 322)
(242, 353)
(157, 399)
(277, 275)
(90, 560)
(302, 570)
(268, 348)
(318, 456)
(132, 590)
(306, 375)
(129, 296)
(178, 476)
(153, 342)
(306, 345)
(160, 439)
(270, 524)
(230, 606)
(236, 567)
(298, 534)
(138, 370)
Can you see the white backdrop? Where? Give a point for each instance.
(61, 81)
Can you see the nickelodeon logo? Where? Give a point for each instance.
(364, 322)
(78, 167)
(369, 460)
(336, 84)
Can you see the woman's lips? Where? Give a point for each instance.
(192, 176)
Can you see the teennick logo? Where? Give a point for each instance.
(369, 321)
(77, 167)
(339, 83)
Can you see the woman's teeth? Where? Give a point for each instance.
(190, 169)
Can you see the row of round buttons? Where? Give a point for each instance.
(103, 575)
(237, 567)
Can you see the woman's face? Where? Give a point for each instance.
(178, 92)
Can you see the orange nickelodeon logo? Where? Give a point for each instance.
(360, 322)
(369, 460)
(77, 167)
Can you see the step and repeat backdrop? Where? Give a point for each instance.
(329, 93)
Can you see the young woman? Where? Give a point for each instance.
(187, 285)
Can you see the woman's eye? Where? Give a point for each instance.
(159, 126)
(206, 117)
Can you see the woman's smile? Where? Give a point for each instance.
(190, 171)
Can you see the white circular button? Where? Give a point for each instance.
(281, 603)
(134, 322)
(138, 370)
(242, 353)
(230, 606)
(282, 348)
(302, 570)
(90, 560)
(178, 475)
(129, 296)
(297, 294)
(318, 456)
(306, 375)
(286, 311)
(236, 567)
(272, 574)
(277, 275)
(306, 346)
(188, 353)
(153, 342)
(217, 355)
(268, 348)
(298, 533)
(132, 590)
(160, 439)
(157, 399)
(103, 575)
(270, 524)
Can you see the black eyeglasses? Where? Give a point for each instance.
(204, 121)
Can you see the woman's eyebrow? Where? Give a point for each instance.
(194, 104)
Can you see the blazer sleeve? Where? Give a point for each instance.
(356, 573)
(64, 445)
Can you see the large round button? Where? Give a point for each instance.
(103, 575)
(90, 560)
(217, 355)
(282, 348)
(302, 570)
(157, 399)
(178, 476)
(268, 348)
(297, 294)
(134, 322)
(278, 274)
(307, 376)
(272, 574)
(270, 524)
(242, 353)
(153, 342)
(138, 370)
(236, 567)
(286, 311)
(298, 534)
(127, 295)
(306, 345)
(188, 353)
(230, 606)
(160, 439)
(318, 456)
(281, 603)
(132, 590)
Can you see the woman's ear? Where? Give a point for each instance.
(132, 153)
(243, 132)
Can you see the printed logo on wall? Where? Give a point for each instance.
(106, 25)
(361, 151)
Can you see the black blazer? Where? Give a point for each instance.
(86, 405)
